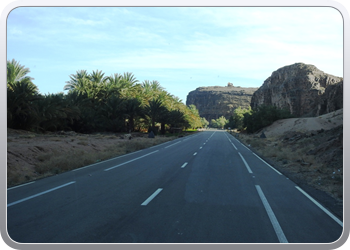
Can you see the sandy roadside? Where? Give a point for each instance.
(303, 125)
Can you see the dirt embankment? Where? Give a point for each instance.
(31, 156)
(305, 125)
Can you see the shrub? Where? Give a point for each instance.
(263, 116)
(237, 119)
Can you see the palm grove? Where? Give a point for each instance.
(95, 103)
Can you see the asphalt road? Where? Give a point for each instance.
(205, 188)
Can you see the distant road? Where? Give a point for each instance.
(205, 188)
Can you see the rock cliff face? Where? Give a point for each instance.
(213, 102)
(331, 100)
(301, 88)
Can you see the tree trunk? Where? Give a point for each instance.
(162, 128)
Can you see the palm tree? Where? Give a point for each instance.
(112, 113)
(174, 102)
(84, 110)
(129, 85)
(16, 72)
(163, 119)
(129, 77)
(56, 112)
(114, 84)
(92, 84)
(177, 119)
(132, 111)
(22, 109)
(146, 92)
(120, 84)
(151, 90)
(98, 77)
(73, 83)
(154, 111)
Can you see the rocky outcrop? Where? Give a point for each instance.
(331, 100)
(301, 88)
(213, 102)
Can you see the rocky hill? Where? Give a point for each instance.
(301, 88)
(216, 101)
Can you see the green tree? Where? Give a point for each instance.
(230, 124)
(22, 95)
(151, 90)
(133, 110)
(236, 120)
(177, 119)
(154, 111)
(264, 116)
(111, 115)
(81, 105)
(16, 73)
(75, 82)
(164, 119)
(213, 123)
(221, 122)
(56, 113)
(193, 117)
(22, 108)
(98, 77)
(204, 122)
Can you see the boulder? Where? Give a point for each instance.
(151, 134)
(301, 88)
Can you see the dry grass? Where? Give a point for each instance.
(55, 139)
(27, 136)
(84, 143)
(293, 158)
(55, 162)
(13, 178)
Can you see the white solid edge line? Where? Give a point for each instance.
(276, 226)
(20, 185)
(268, 164)
(121, 156)
(320, 206)
(36, 195)
(107, 169)
(172, 144)
(148, 200)
(77, 169)
(228, 138)
(241, 143)
(245, 163)
(184, 165)
(244, 146)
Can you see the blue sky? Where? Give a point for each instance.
(182, 48)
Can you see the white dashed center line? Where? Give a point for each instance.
(148, 200)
